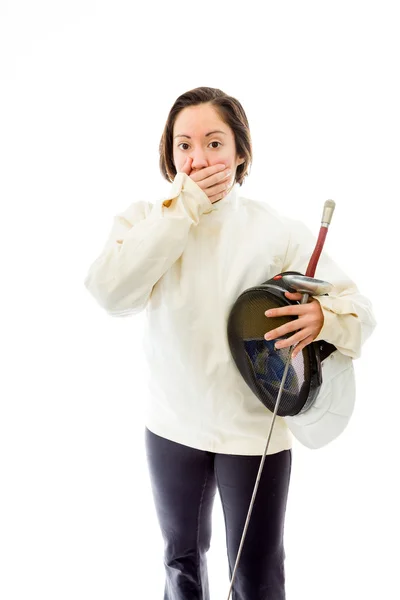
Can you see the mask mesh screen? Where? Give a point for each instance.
(260, 365)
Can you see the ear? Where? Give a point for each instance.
(240, 161)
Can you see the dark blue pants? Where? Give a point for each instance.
(184, 482)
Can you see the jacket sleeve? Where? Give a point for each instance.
(143, 243)
(348, 317)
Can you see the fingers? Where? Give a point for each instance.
(302, 333)
(300, 336)
(307, 325)
(214, 181)
(284, 329)
(302, 345)
(187, 167)
(293, 309)
(304, 325)
(294, 295)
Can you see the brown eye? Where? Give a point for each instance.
(186, 144)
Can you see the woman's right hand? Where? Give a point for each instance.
(214, 181)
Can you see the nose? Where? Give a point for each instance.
(199, 160)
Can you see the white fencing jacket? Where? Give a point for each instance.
(186, 260)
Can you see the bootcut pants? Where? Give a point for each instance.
(184, 481)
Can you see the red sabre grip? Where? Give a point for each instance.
(312, 265)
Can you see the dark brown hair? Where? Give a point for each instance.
(230, 111)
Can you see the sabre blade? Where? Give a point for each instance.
(285, 372)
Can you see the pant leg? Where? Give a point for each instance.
(184, 487)
(260, 574)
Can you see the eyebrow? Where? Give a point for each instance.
(206, 135)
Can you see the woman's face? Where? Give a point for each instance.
(190, 138)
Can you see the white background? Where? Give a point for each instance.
(86, 88)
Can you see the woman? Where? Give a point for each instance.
(186, 259)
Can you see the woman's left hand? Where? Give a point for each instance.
(308, 324)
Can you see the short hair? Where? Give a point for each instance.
(230, 111)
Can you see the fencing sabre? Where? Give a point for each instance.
(307, 286)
